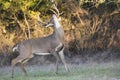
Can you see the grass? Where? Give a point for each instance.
(90, 71)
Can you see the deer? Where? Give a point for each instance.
(53, 44)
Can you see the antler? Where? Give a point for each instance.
(55, 10)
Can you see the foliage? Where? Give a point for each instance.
(90, 25)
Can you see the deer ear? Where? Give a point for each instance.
(59, 19)
(48, 25)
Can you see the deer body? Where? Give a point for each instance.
(52, 44)
(39, 45)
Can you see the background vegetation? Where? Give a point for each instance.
(91, 26)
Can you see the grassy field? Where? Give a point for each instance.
(87, 71)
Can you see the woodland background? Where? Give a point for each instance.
(92, 27)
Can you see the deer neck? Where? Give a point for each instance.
(58, 31)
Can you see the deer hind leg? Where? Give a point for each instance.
(21, 61)
(61, 54)
(14, 62)
(22, 64)
(23, 69)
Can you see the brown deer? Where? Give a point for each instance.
(52, 44)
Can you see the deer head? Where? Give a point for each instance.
(54, 19)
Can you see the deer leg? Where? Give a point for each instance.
(23, 69)
(61, 54)
(56, 71)
(57, 61)
(22, 64)
(14, 62)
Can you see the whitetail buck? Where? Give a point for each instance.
(52, 44)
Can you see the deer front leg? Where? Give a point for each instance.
(61, 54)
(56, 71)
(57, 61)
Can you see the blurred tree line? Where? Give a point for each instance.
(90, 25)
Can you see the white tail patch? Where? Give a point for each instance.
(42, 53)
(14, 48)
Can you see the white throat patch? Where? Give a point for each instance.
(57, 24)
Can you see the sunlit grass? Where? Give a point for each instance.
(90, 71)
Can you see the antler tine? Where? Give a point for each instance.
(55, 9)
